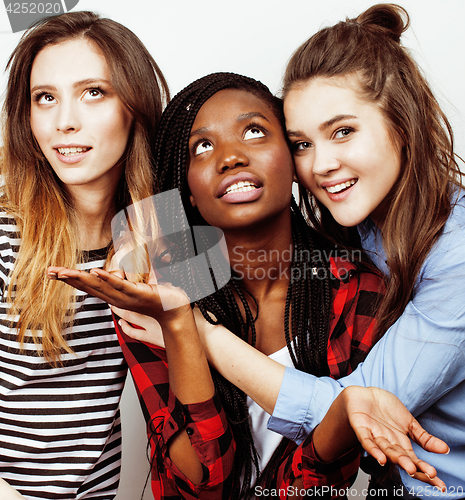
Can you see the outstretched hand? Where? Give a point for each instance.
(384, 427)
(160, 301)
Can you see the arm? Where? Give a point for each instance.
(421, 359)
(166, 417)
(252, 371)
(184, 352)
(334, 436)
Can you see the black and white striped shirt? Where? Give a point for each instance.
(60, 430)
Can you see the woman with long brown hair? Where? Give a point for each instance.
(82, 107)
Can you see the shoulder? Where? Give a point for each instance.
(456, 220)
(448, 249)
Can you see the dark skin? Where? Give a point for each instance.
(236, 138)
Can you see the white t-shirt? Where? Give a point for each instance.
(265, 441)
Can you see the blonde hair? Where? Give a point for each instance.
(33, 194)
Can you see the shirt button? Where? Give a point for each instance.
(299, 466)
(189, 431)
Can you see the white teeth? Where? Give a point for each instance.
(339, 187)
(72, 151)
(240, 187)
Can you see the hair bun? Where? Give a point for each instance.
(391, 18)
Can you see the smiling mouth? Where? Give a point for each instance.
(339, 188)
(240, 187)
(72, 151)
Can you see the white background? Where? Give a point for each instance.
(191, 38)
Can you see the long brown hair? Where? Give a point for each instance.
(33, 194)
(368, 48)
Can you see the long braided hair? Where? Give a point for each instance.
(308, 302)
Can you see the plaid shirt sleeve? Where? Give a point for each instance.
(355, 295)
(205, 423)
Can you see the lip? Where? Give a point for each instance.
(325, 185)
(342, 195)
(232, 179)
(72, 159)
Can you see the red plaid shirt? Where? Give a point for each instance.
(351, 337)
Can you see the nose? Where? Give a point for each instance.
(325, 160)
(68, 119)
(232, 157)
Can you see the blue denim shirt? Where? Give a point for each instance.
(421, 359)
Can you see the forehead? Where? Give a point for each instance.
(323, 96)
(230, 104)
(69, 61)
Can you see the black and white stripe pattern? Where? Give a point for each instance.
(60, 430)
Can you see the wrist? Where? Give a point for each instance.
(177, 320)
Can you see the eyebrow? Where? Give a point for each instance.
(199, 131)
(81, 83)
(323, 126)
(334, 120)
(240, 118)
(252, 114)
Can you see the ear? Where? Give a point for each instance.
(192, 200)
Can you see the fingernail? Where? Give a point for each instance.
(427, 475)
(382, 465)
(94, 273)
(52, 276)
(448, 451)
(63, 277)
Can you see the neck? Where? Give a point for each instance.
(261, 257)
(94, 211)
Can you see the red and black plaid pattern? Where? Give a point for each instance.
(351, 337)
(355, 296)
(205, 424)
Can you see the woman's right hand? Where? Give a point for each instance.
(384, 427)
(140, 327)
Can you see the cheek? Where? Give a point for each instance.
(114, 126)
(126, 121)
(38, 127)
(304, 173)
(194, 183)
(280, 159)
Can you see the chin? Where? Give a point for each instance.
(348, 221)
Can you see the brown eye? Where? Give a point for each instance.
(202, 147)
(92, 94)
(253, 133)
(342, 133)
(301, 146)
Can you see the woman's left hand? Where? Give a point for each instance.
(161, 301)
